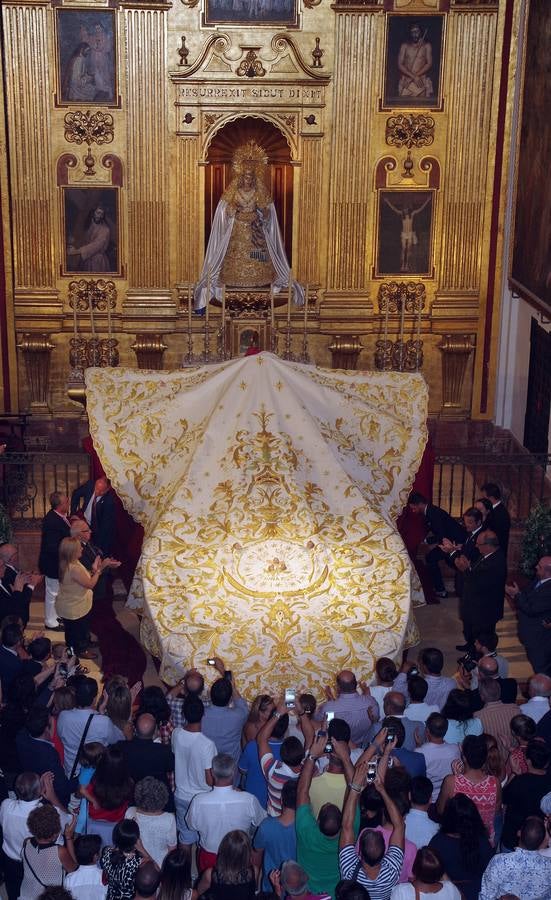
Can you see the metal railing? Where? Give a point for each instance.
(28, 478)
(523, 478)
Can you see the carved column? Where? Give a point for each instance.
(149, 350)
(189, 255)
(345, 350)
(148, 168)
(28, 67)
(456, 351)
(467, 172)
(310, 227)
(37, 351)
(358, 46)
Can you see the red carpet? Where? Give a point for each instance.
(120, 652)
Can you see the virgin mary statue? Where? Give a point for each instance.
(245, 248)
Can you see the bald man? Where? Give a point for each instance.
(145, 757)
(358, 709)
(534, 616)
(539, 692)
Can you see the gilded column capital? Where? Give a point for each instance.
(345, 350)
(149, 350)
(37, 350)
(456, 350)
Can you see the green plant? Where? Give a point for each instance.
(537, 539)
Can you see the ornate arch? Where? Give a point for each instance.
(286, 124)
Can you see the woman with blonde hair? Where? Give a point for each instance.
(260, 712)
(74, 600)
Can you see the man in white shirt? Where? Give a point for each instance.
(72, 722)
(431, 663)
(417, 709)
(193, 756)
(419, 828)
(539, 691)
(30, 792)
(439, 756)
(86, 882)
(223, 809)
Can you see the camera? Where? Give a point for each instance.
(329, 746)
(371, 771)
(329, 716)
(468, 662)
(413, 671)
(211, 662)
(290, 697)
(390, 736)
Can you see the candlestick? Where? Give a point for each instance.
(289, 296)
(272, 310)
(386, 322)
(92, 323)
(223, 306)
(418, 336)
(402, 315)
(109, 318)
(189, 302)
(208, 298)
(75, 330)
(306, 305)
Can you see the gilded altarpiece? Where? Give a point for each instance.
(321, 83)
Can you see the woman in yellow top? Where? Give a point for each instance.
(74, 600)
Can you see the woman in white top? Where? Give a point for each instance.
(461, 722)
(428, 875)
(157, 828)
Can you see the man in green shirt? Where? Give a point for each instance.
(318, 839)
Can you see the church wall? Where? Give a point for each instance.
(149, 148)
(516, 314)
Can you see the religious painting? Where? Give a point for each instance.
(404, 234)
(86, 57)
(251, 12)
(530, 271)
(91, 230)
(413, 62)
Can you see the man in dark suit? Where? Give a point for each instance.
(488, 670)
(37, 754)
(481, 605)
(20, 584)
(81, 529)
(534, 616)
(55, 527)
(440, 525)
(95, 501)
(11, 663)
(472, 521)
(145, 757)
(498, 519)
(14, 599)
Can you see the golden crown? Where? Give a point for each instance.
(249, 155)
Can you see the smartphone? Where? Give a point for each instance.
(328, 747)
(70, 652)
(290, 697)
(211, 662)
(371, 771)
(390, 736)
(329, 716)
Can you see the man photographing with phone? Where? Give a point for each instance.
(374, 869)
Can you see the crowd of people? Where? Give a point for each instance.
(414, 784)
